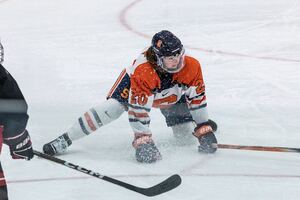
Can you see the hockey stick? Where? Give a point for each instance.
(165, 186)
(258, 148)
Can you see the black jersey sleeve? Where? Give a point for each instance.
(13, 106)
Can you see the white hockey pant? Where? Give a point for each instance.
(96, 117)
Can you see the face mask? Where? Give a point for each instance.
(172, 64)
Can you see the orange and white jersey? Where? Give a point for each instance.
(141, 87)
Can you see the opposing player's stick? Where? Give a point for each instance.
(165, 186)
(258, 148)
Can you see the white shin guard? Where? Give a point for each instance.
(96, 117)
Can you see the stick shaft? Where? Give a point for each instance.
(84, 170)
(164, 186)
(67, 164)
(259, 148)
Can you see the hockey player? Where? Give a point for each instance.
(13, 120)
(162, 77)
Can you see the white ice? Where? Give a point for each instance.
(67, 54)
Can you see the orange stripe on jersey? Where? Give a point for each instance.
(117, 83)
(198, 101)
(139, 115)
(89, 121)
(169, 100)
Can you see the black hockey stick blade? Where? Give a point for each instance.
(165, 186)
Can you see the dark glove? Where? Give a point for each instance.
(20, 146)
(208, 141)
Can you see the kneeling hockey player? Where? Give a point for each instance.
(162, 77)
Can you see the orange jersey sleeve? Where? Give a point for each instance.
(143, 81)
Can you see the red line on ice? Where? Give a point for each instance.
(125, 23)
(232, 175)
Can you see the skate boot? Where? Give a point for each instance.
(145, 149)
(57, 146)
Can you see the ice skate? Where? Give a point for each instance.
(57, 146)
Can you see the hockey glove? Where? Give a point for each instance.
(208, 142)
(213, 125)
(20, 146)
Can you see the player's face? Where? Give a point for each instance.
(171, 61)
(173, 64)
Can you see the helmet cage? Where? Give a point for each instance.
(162, 61)
(168, 49)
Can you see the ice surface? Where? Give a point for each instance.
(67, 54)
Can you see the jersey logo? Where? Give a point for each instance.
(164, 94)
